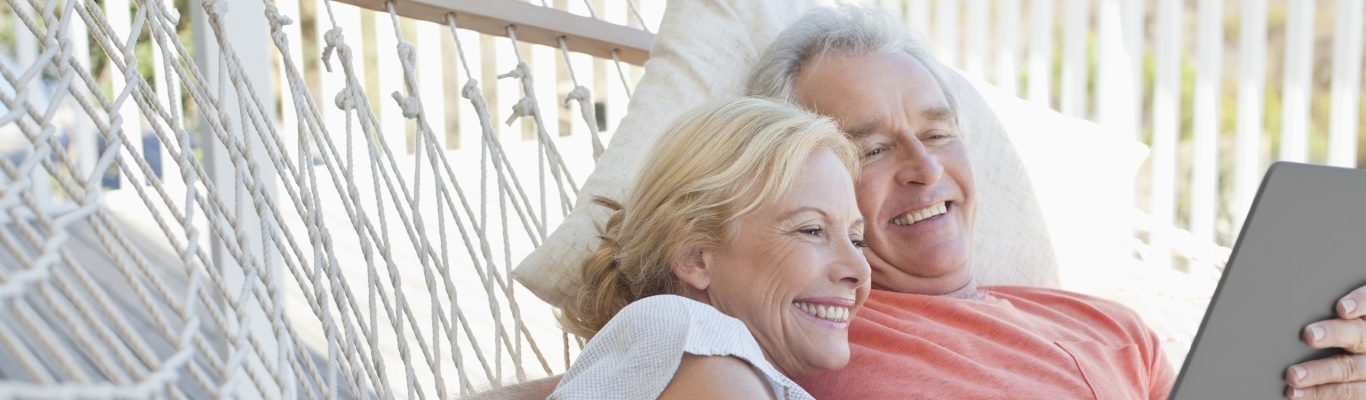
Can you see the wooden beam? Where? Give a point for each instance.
(533, 24)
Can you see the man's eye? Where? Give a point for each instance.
(860, 243)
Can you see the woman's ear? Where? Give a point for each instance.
(693, 268)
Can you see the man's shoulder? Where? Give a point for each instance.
(1080, 310)
(1058, 298)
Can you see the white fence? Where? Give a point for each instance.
(1192, 79)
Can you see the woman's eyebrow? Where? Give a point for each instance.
(793, 214)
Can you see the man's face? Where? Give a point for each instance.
(916, 189)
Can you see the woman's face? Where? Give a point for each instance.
(794, 272)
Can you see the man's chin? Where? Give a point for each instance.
(922, 283)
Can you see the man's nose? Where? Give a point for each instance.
(918, 166)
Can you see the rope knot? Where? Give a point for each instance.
(334, 38)
(524, 107)
(172, 15)
(470, 90)
(344, 101)
(215, 8)
(580, 94)
(276, 19)
(407, 53)
(410, 105)
(521, 71)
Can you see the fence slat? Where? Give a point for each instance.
(1205, 155)
(1076, 27)
(1346, 94)
(430, 73)
(946, 45)
(1166, 116)
(975, 58)
(390, 76)
(917, 17)
(289, 115)
(1251, 83)
(1116, 90)
(120, 21)
(1007, 43)
(1041, 52)
(1298, 70)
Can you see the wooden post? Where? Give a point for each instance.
(1251, 83)
(1076, 27)
(1346, 94)
(1166, 119)
(1295, 83)
(249, 38)
(1205, 155)
(1041, 52)
(1007, 43)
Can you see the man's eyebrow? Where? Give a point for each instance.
(938, 113)
(864, 129)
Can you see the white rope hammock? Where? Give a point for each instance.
(212, 320)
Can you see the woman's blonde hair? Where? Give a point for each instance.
(708, 168)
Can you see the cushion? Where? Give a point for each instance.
(705, 49)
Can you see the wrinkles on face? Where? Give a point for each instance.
(915, 164)
(801, 248)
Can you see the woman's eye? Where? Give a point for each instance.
(874, 152)
(812, 231)
(860, 243)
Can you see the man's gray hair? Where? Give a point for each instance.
(845, 30)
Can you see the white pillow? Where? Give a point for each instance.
(705, 50)
(1083, 175)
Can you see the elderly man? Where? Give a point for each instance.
(927, 331)
(916, 190)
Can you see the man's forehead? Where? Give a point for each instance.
(863, 91)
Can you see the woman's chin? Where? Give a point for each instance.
(824, 363)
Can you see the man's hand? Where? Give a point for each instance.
(1341, 376)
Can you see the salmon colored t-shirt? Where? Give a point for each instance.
(1016, 343)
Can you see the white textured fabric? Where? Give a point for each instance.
(636, 354)
(705, 49)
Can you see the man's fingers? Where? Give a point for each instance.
(1353, 305)
(1347, 334)
(1336, 369)
(1333, 391)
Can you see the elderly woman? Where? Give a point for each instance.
(734, 266)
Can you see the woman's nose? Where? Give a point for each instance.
(852, 267)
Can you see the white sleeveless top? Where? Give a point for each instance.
(636, 354)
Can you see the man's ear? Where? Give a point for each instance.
(693, 267)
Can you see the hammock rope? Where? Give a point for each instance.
(215, 321)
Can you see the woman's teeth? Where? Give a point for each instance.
(920, 215)
(825, 312)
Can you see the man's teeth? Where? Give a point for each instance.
(920, 215)
(825, 312)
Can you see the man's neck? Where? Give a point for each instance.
(967, 292)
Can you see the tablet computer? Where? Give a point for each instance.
(1302, 247)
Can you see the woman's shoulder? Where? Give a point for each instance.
(646, 341)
